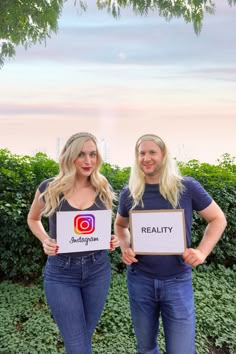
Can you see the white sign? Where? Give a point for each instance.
(158, 231)
(79, 231)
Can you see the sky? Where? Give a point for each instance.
(122, 78)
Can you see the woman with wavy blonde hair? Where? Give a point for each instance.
(159, 282)
(64, 183)
(76, 284)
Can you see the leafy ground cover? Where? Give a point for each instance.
(26, 325)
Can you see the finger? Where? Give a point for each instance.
(129, 260)
(126, 261)
(115, 243)
(196, 263)
(50, 248)
(188, 252)
(129, 252)
(190, 260)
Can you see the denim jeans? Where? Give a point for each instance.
(172, 300)
(76, 289)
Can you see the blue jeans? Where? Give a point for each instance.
(76, 289)
(172, 300)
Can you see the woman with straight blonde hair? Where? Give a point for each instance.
(76, 283)
(159, 282)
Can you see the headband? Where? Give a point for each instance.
(79, 135)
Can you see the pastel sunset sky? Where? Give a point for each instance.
(121, 78)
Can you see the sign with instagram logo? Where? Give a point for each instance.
(84, 224)
(79, 231)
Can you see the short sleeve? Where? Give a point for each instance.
(125, 202)
(43, 185)
(200, 197)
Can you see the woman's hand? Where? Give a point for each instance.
(50, 246)
(114, 242)
(128, 256)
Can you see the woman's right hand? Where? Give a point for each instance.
(128, 256)
(50, 246)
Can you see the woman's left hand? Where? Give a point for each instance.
(114, 242)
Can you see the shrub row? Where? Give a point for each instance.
(26, 325)
(21, 256)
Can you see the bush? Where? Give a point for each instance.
(21, 255)
(215, 309)
(220, 182)
(27, 326)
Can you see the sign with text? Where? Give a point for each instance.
(79, 231)
(158, 231)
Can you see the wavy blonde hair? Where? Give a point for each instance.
(62, 185)
(170, 182)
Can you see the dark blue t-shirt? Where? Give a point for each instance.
(194, 197)
(65, 206)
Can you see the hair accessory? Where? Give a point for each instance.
(85, 134)
(147, 137)
(79, 135)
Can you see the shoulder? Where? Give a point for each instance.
(125, 192)
(44, 184)
(198, 194)
(191, 183)
(125, 202)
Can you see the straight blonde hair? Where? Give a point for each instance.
(171, 185)
(62, 185)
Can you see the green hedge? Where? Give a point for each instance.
(21, 255)
(220, 181)
(26, 325)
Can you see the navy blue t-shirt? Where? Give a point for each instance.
(65, 206)
(194, 197)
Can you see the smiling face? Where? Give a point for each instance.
(87, 160)
(150, 158)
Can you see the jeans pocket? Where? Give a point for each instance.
(58, 262)
(101, 257)
(183, 276)
(131, 270)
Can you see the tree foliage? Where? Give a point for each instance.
(191, 11)
(26, 22)
(29, 22)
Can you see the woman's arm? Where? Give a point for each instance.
(36, 226)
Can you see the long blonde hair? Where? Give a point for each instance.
(170, 182)
(63, 183)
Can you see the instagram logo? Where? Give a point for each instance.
(84, 224)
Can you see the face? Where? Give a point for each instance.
(87, 159)
(150, 158)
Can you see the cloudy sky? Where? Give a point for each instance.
(121, 78)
